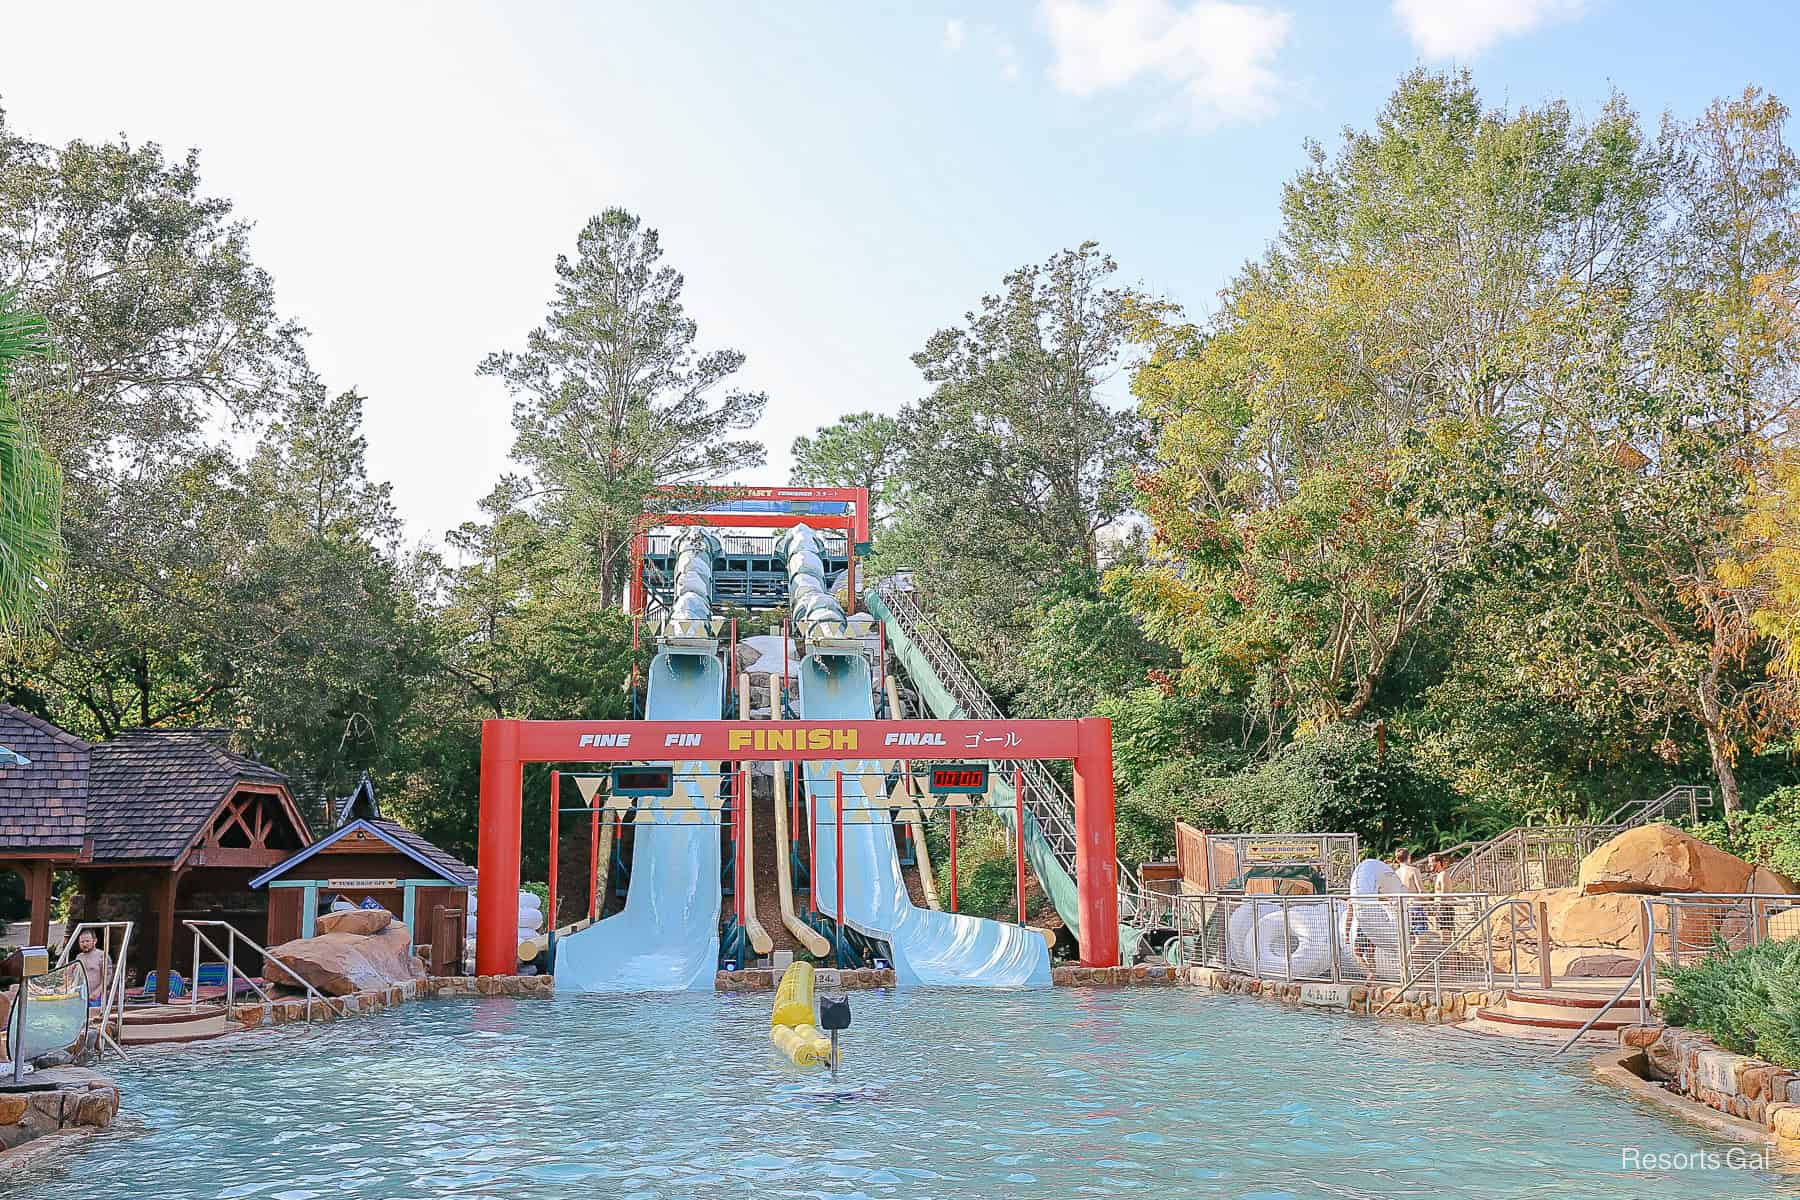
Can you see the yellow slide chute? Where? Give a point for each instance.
(791, 1025)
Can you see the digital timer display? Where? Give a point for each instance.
(643, 781)
(961, 780)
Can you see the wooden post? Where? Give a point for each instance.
(1543, 923)
(165, 936)
(555, 795)
(38, 878)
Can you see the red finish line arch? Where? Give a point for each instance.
(506, 746)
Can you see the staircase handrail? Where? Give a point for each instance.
(1639, 975)
(229, 955)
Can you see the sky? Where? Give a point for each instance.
(835, 181)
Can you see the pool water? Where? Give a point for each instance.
(1066, 1092)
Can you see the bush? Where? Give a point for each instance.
(1768, 834)
(1333, 782)
(1747, 1000)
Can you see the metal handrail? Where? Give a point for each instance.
(1642, 972)
(1045, 797)
(1436, 960)
(229, 956)
(1629, 815)
(114, 1004)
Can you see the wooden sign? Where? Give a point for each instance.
(361, 885)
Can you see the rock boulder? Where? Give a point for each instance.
(355, 920)
(1660, 858)
(340, 962)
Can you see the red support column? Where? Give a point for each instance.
(1096, 852)
(812, 846)
(953, 907)
(634, 587)
(1019, 839)
(739, 807)
(497, 916)
(838, 869)
(555, 796)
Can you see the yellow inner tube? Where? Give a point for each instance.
(791, 1025)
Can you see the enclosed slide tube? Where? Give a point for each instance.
(667, 937)
(929, 948)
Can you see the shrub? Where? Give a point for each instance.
(1747, 1000)
(1768, 835)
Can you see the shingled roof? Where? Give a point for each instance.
(440, 862)
(43, 806)
(152, 790)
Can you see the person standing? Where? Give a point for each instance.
(95, 964)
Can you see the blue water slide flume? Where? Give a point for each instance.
(930, 948)
(666, 939)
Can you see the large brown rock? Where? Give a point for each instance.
(355, 920)
(339, 963)
(1660, 858)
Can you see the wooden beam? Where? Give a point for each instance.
(37, 891)
(234, 856)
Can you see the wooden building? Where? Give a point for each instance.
(160, 826)
(370, 861)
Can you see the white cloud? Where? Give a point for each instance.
(955, 33)
(1464, 28)
(1219, 56)
(1009, 61)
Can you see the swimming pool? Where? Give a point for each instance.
(1065, 1092)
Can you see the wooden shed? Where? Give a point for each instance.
(369, 861)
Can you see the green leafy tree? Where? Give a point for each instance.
(614, 398)
(1014, 463)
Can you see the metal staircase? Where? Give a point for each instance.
(1045, 796)
(1546, 856)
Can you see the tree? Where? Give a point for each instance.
(264, 595)
(30, 488)
(614, 399)
(859, 450)
(1014, 463)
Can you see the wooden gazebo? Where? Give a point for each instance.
(159, 825)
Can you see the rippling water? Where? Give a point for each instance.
(1038, 1094)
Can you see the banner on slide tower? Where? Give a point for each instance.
(712, 741)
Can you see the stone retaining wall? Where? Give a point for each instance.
(1415, 1004)
(824, 978)
(285, 1011)
(82, 1100)
(1693, 1065)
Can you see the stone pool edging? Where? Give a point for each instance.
(82, 1102)
(1141, 975)
(288, 1010)
(763, 979)
(1738, 1085)
(1414, 1004)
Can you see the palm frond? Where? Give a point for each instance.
(31, 547)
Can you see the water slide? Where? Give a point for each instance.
(666, 939)
(929, 948)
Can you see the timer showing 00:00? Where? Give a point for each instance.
(958, 781)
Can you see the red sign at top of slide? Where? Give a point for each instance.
(719, 741)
